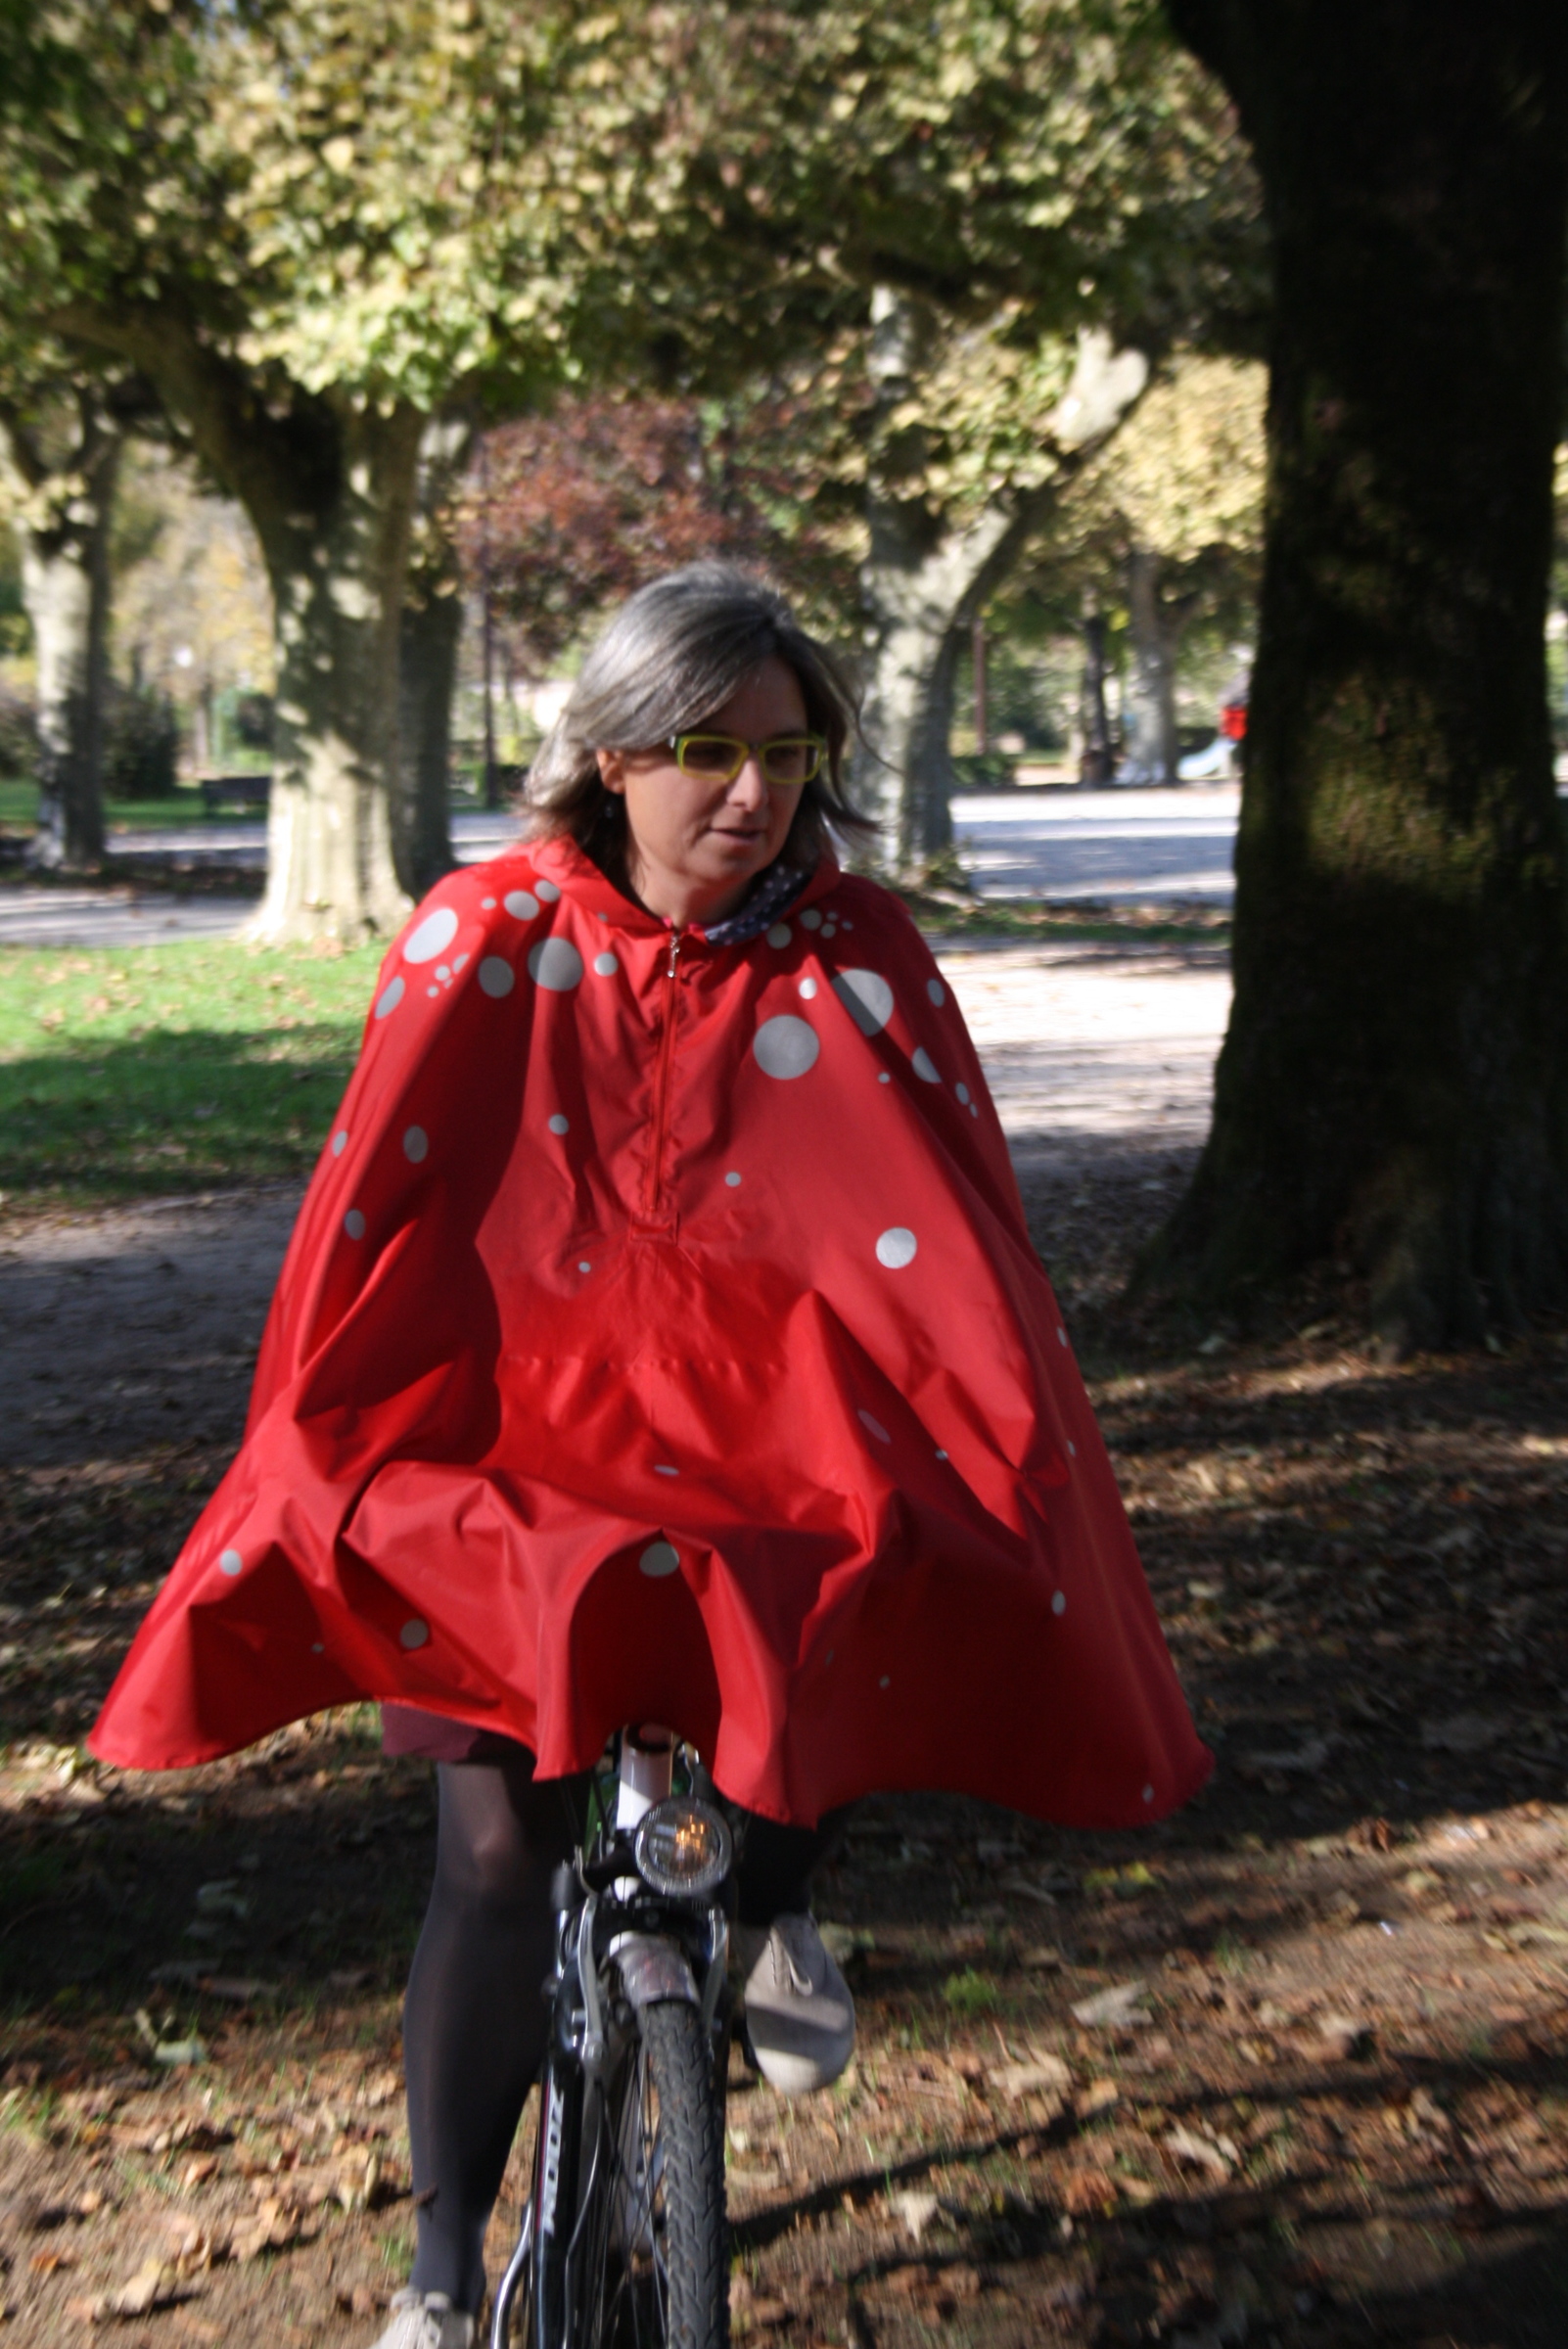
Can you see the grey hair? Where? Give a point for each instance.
(673, 654)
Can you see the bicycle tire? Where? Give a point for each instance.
(657, 2264)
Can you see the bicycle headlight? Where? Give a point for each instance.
(682, 1848)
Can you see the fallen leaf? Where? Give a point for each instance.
(157, 2284)
(1217, 2155)
(223, 1898)
(1043, 2075)
(1304, 1761)
(1344, 2035)
(1116, 2006)
(47, 2263)
(1029, 1887)
(1098, 2097)
(916, 2210)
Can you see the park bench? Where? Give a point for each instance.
(220, 792)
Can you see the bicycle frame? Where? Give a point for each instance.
(620, 1947)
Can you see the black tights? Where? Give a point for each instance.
(473, 2021)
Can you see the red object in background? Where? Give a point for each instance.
(1233, 722)
(661, 1338)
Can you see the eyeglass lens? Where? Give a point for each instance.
(790, 759)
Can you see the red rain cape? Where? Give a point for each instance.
(661, 1339)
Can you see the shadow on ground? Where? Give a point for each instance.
(190, 1109)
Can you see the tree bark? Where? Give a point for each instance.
(429, 632)
(328, 483)
(928, 575)
(336, 564)
(922, 585)
(67, 505)
(1394, 1085)
(1095, 763)
(1149, 751)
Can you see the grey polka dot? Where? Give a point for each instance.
(659, 1559)
(354, 1224)
(414, 1633)
(734, 1181)
(780, 934)
(1058, 1602)
(340, 1143)
(874, 1427)
(434, 935)
(389, 998)
(231, 1562)
(867, 999)
(416, 1144)
(547, 891)
(785, 1047)
(810, 919)
(555, 966)
(496, 976)
(606, 965)
(924, 1067)
(558, 1123)
(896, 1247)
(937, 992)
(521, 903)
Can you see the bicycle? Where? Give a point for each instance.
(623, 2242)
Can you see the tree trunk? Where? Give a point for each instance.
(429, 632)
(328, 483)
(922, 585)
(928, 576)
(336, 562)
(69, 501)
(1394, 1085)
(1095, 763)
(978, 683)
(1149, 750)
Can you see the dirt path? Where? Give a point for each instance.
(1289, 2069)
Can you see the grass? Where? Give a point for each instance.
(19, 810)
(196, 1066)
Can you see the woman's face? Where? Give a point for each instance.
(695, 845)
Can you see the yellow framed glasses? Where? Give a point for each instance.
(787, 762)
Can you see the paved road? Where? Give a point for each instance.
(1120, 847)
(1115, 846)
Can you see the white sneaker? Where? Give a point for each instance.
(426, 2320)
(800, 2016)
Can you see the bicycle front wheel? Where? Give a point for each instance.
(656, 2251)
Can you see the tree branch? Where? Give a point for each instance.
(268, 461)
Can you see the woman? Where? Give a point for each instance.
(661, 1339)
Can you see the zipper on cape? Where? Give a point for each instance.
(653, 1188)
